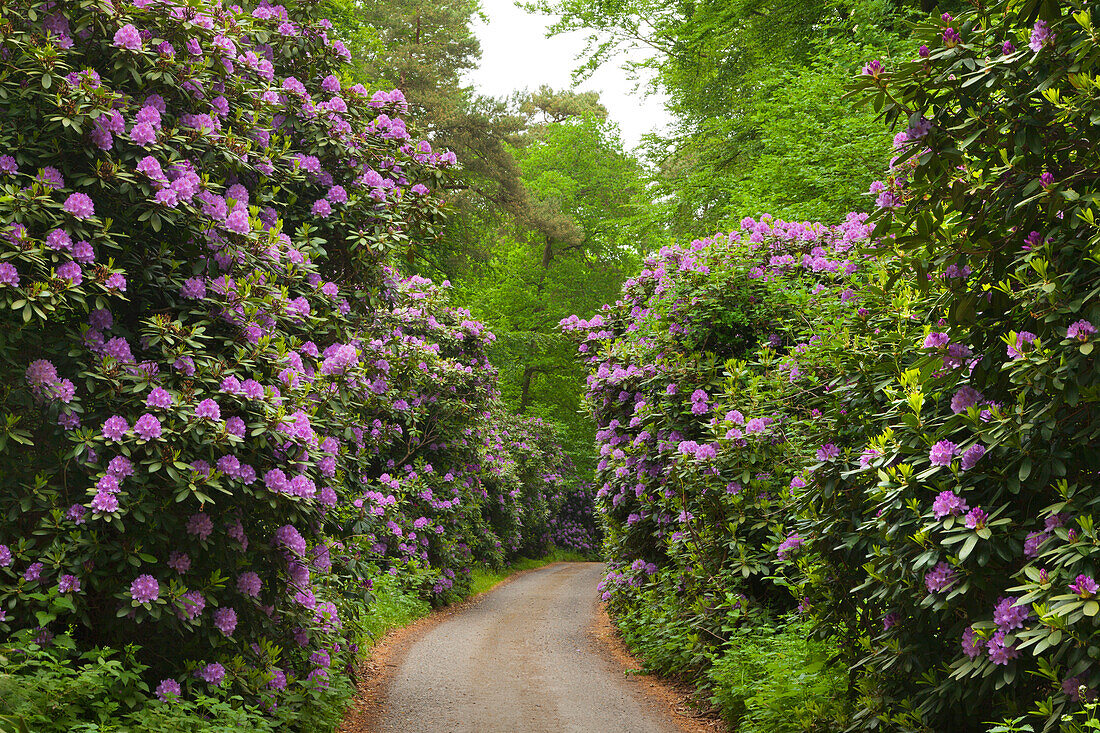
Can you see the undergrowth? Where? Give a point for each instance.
(765, 676)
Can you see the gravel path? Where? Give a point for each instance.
(522, 660)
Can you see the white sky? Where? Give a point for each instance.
(517, 55)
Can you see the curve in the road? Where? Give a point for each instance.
(522, 660)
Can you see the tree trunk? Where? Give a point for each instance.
(548, 253)
(525, 388)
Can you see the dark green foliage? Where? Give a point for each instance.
(990, 121)
(58, 691)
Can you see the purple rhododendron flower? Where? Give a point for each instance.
(115, 281)
(179, 561)
(59, 239)
(789, 545)
(79, 205)
(115, 428)
(70, 271)
(1040, 36)
(948, 503)
(942, 453)
(1033, 542)
(212, 673)
(1084, 586)
(83, 252)
(108, 483)
(936, 341)
(200, 525)
(238, 222)
(287, 536)
(147, 427)
(193, 288)
(159, 397)
(1008, 616)
(209, 409)
(249, 584)
(971, 456)
(939, 578)
(168, 690)
(756, 425)
(51, 176)
(976, 518)
(972, 644)
(9, 275)
(278, 679)
(145, 589)
(128, 37)
(1080, 330)
(229, 464)
(1023, 337)
(235, 426)
(865, 458)
(275, 480)
(828, 452)
(998, 652)
(67, 583)
(100, 318)
(104, 502)
(873, 69)
(965, 398)
(225, 620)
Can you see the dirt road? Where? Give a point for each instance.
(522, 660)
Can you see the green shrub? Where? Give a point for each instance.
(778, 680)
(58, 691)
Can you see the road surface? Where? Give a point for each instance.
(522, 660)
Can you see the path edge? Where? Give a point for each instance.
(671, 695)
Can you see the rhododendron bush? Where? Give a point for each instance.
(921, 471)
(970, 527)
(221, 409)
(700, 432)
(575, 526)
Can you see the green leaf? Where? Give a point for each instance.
(968, 547)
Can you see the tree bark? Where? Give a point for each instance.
(525, 388)
(548, 253)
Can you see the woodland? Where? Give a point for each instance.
(302, 336)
